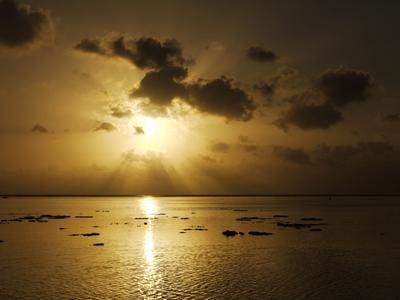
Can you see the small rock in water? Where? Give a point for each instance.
(230, 233)
(61, 228)
(98, 244)
(299, 225)
(259, 233)
(281, 216)
(182, 232)
(90, 234)
(186, 218)
(145, 223)
(54, 217)
(311, 219)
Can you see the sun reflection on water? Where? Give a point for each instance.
(151, 278)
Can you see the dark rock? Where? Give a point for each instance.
(259, 233)
(299, 225)
(61, 228)
(311, 219)
(1, 241)
(145, 223)
(74, 234)
(98, 244)
(84, 217)
(315, 229)
(248, 219)
(90, 234)
(230, 233)
(28, 218)
(54, 217)
(241, 233)
(281, 216)
(186, 218)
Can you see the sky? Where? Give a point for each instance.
(199, 97)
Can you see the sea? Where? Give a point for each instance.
(175, 248)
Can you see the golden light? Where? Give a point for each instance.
(149, 127)
(149, 206)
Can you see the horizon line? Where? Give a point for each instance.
(212, 195)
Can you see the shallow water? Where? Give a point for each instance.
(355, 256)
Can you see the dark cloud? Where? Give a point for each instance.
(333, 155)
(249, 148)
(292, 155)
(139, 130)
(39, 128)
(222, 97)
(309, 117)
(219, 147)
(106, 126)
(266, 89)
(143, 52)
(91, 46)
(119, 112)
(21, 25)
(260, 54)
(342, 86)
(162, 86)
(394, 117)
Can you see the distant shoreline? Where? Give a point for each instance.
(197, 195)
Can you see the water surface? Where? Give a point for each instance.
(355, 256)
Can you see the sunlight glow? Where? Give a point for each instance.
(149, 126)
(148, 247)
(149, 206)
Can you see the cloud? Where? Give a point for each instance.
(39, 128)
(139, 130)
(342, 86)
(292, 155)
(219, 147)
(249, 148)
(91, 46)
(260, 54)
(162, 86)
(166, 76)
(223, 97)
(143, 52)
(306, 117)
(106, 126)
(266, 89)
(394, 117)
(22, 26)
(118, 112)
(333, 155)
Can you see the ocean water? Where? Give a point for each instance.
(355, 256)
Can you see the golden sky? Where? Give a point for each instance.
(204, 97)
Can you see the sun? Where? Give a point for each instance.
(149, 127)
